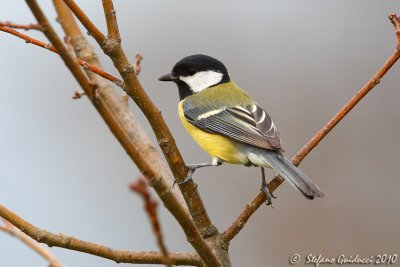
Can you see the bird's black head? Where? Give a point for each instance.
(195, 73)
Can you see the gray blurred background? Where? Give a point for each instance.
(62, 170)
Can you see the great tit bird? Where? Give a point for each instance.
(228, 124)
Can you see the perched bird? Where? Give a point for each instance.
(228, 124)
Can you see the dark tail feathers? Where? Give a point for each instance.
(292, 174)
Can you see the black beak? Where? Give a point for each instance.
(168, 78)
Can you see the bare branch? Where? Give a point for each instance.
(375, 80)
(130, 133)
(89, 25)
(25, 27)
(69, 242)
(141, 156)
(150, 206)
(167, 143)
(32, 244)
(253, 205)
(111, 20)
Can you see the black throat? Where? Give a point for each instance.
(184, 90)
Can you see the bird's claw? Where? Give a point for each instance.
(188, 177)
(268, 195)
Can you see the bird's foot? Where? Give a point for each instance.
(189, 175)
(192, 167)
(268, 195)
(191, 170)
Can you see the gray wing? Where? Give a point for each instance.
(250, 124)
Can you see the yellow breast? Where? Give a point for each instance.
(214, 144)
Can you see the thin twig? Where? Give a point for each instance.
(89, 25)
(69, 242)
(25, 27)
(150, 206)
(84, 64)
(111, 20)
(375, 80)
(32, 244)
(253, 205)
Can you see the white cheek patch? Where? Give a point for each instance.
(202, 80)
